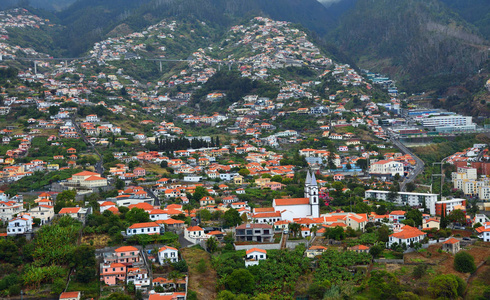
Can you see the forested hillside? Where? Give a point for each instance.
(477, 13)
(421, 43)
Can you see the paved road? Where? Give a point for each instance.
(99, 166)
(419, 164)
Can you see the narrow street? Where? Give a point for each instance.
(99, 166)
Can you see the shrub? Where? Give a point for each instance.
(419, 271)
(464, 262)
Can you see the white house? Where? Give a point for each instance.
(43, 212)
(92, 118)
(20, 225)
(407, 235)
(70, 296)
(193, 233)
(255, 255)
(143, 228)
(484, 232)
(9, 208)
(106, 205)
(168, 254)
(158, 214)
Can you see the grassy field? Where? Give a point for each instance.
(203, 283)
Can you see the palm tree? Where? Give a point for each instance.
(314, 229)
(294, 227)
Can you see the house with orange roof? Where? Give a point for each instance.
(194, 233)
(267, 217)
(70, 296)
(281, 225)
(106, 205)
(315, 251)
(170, 285)
(168, 296)
(254, 255)
(113, 273)
(356, 221)
(20, 225)
(359, 249)
(144, 228)
(87, 179)
(451, 245)
(43, 212)
(207, 200)
(172, 223)
(397, 216)
(138, 276)
(77, 213)
(484, 232)
(142, 205)
(431, 223)
(408, 235)
(167, 254)
(10, 208)
(158, 214)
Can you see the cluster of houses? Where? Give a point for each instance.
(129, 264)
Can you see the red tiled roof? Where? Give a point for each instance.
(143, 225)
(167, 248)
(194, 228)
(451, 241)
(256, 250)
(292, 201)
(126, 249)
(69, 210)
(407, 233)
(68, 295)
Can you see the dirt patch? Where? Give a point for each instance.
(203, 283)
(463, 233)
(98, 240)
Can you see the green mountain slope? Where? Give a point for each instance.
(476, 12)
(420, 42)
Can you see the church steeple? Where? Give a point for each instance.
(311, 192)
(313, 179)
(308, 178)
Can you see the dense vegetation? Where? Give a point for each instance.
(234, 87)
(419, 42)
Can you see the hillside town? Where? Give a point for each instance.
(125, 186)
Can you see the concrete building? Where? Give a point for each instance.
(406, 198)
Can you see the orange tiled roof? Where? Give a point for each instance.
(292, 201)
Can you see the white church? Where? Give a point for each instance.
(307, 207)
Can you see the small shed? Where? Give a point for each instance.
(451, 245)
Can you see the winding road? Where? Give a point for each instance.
(419, 164)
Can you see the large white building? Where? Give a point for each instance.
(294, 208)
(386, 168)
(450, 120)
(406, 198)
